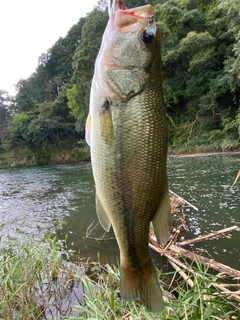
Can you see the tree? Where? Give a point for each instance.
(59, 65)
(196, 45)
(4, 105)
(25, 98)
(5, 113)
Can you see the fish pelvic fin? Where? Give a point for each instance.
(102, 215)
(141, 285)
(162, 219)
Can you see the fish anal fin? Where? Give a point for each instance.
(162, 219)
(141, 285)
(88, 129)
(102, 215)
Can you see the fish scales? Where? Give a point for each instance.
(126, 130)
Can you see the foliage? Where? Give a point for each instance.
(48, 124)
(199, 59)
(5, 114)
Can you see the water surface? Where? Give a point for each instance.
(34, 201)
(206, 182)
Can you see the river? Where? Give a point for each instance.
(60, 200)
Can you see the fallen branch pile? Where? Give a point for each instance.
(177, 256)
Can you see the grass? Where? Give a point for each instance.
(29, 271)
(34, 276)
(201, 302)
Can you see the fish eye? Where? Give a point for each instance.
(147, 36)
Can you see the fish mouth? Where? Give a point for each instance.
(125, 19)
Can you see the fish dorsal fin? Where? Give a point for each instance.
(162, 219)
(102, 215)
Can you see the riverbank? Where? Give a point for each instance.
(65, 152)
(73, 151)
(184, 154)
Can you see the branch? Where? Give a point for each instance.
(171, 121)
(191, 125)
(237, 177)
(233, 273)
(213, 234)
(183, 200)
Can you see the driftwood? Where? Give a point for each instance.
(176, 255)
(174, 250)
(177, 264)
(183, 200)
(210, 235)
(237, 177)
(179, 267)
(222, 268)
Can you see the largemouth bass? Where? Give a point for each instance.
(127, 133)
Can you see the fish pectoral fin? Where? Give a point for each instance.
(102, 215)
(106, 124)
(88, 129)
(162, 219)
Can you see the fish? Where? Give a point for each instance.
(126, 130)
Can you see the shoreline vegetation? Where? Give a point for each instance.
(43, 280)
(68, 151)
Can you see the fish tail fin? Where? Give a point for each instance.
(141, 285)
